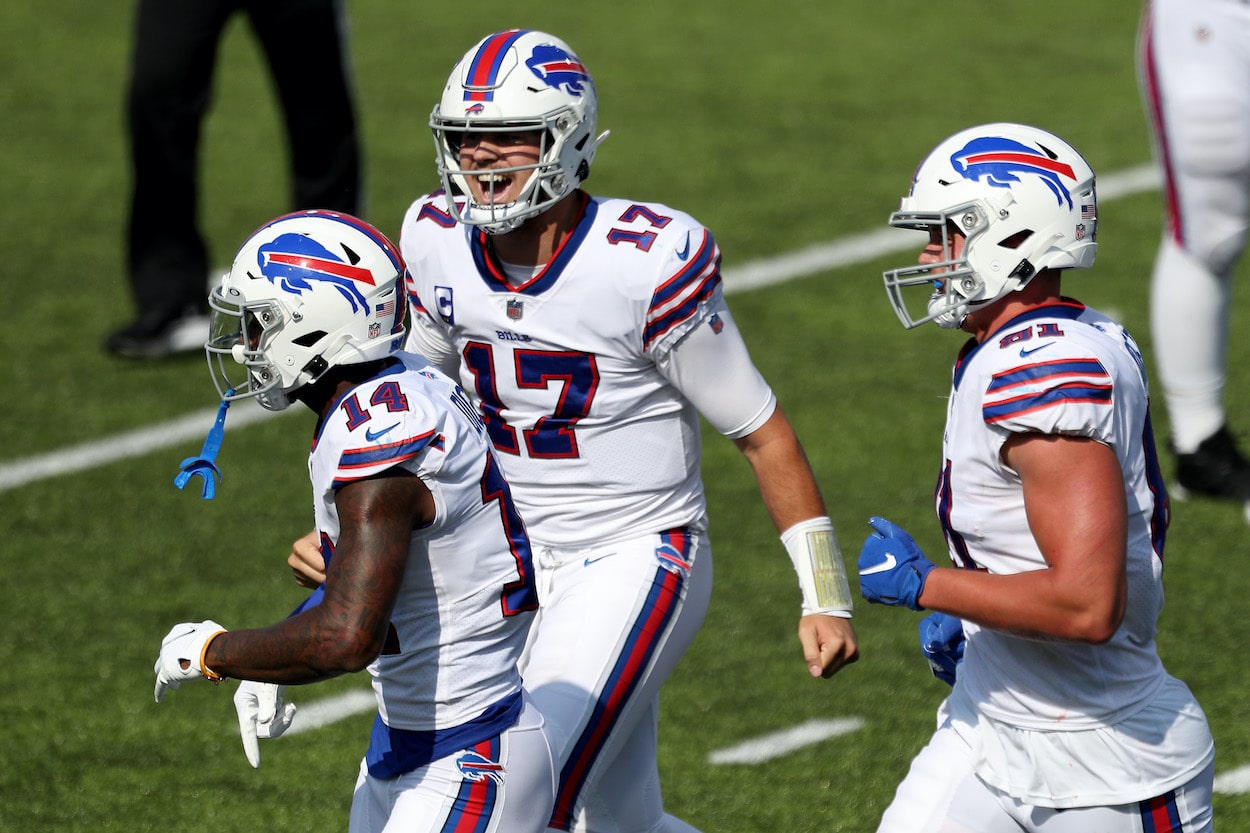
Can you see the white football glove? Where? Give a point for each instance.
(182, 655)
(262, 714)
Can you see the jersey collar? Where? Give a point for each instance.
(491, 270)
(1068, 308)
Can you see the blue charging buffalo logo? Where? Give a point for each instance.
(558, 68)
(475, 767)
(1001, 161)
(293, 262)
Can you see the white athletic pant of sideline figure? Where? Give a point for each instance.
(506, 784)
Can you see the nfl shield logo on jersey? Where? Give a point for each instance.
(515, 309)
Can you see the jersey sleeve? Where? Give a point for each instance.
(1062, 394)
(427, 335)
(379, 426)
(713, 369)
(425, 338)
(688, 283)
(359, 462)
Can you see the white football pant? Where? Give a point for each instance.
(612, 623)
(466, 790)
(942, 794)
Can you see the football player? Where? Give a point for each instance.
(1062, 718)
(592, 332)
(1192, 70)
(429, 578)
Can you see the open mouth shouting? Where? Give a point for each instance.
(494, 188)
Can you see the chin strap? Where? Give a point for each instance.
(206, 464)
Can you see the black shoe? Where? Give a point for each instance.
(158, 339)
(1215, 469)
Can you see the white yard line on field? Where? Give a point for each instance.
(329, 710)
(835, 254)
(1234, 782)
(134, 443)
(774, 745)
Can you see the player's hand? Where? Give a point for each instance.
(262, 714)
(892, 569)
(942, 643)
(305, 561)
(182, 655)
(829, 643)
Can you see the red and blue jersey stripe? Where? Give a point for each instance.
(368, 460)
(1042, 389)
(679, 297)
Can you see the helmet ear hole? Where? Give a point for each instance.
(1016, 240)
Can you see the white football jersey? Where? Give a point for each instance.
(468, 596)
(1059, 369)
(597, 443)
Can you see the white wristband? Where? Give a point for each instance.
(813, 549)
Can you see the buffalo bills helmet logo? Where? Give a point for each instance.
(558, 68)
(293, 262)
(1000, 162)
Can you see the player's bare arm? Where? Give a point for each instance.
(792, 496)
(782, 471)
(347, 630)
(1074, 498)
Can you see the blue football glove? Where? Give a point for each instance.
(942, 643)
(892, 569)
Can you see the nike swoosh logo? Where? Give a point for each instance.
(1024, 351)
(685, 251)
(374, 436)
(888, 564)
(590, 561)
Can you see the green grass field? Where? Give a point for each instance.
(779, 125)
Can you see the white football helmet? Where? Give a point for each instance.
(308, 291)
(1023, 198)
(517, 81)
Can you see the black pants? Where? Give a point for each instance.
(175, 49)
